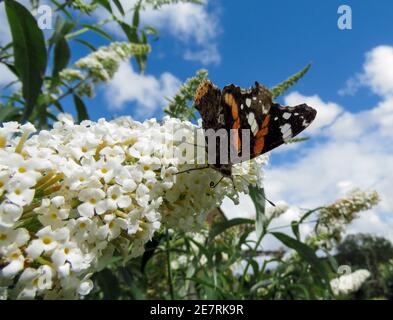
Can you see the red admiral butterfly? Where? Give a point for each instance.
(235, 109)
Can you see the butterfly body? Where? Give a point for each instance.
(235, 111)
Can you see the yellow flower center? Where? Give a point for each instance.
(22, 170)
(93, 201)
(3, 236)
(67, 250)
(18, 191)
(47, 240)
(14, 255)
(82, 225)
(104, 170)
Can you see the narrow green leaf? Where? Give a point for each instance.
(296, 140)
(279, 89)
(152, 31)
(98, 31)
(29, 52)
(295, 229)
(61, 57)
(80, 108)
(222, 226)
(258, 198)
(119, 6)
(86, 43)
(305, 252)
(135, 18)
(105, 4)
(130, 32)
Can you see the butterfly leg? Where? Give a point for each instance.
(213, 185)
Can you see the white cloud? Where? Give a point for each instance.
(5, 35)
(6, 76)
(147, 91)
(356, 150)
(377, 73)
(191, 23)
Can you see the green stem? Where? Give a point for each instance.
(168, 263)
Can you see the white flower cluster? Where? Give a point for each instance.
(72, 197)
(101, 65)
(349, 283)
(333, 219)
(279, 209)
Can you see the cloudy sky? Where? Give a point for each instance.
(350, 84)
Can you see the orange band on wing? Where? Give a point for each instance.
(260, 136)
(230, 101)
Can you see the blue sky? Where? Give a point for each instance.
(243, 41)
(269, 40)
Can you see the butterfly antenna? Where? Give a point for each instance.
(213, 185)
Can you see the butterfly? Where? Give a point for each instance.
(235, 110)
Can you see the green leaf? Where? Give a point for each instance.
(119, 6)
(86, 43)
(62, 28)
(152, 31)
(109, 284)
(279, 89)
(80, 108)
(258, 198)
(295, 229)
(105, 4)
(29, 52)
(130, 32)
(8, 113)
(97, 30)
(135, 18)
(61, 57)
(305, 252)
(295, 140)
(222, 226)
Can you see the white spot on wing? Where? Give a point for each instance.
(254, 128)
(248, 102)
(286, 131)
(241, 106)
(286, 115)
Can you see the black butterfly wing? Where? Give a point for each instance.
(284, 124)
(269, 124)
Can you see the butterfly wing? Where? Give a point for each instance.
(269, 124)
(207, 102)
(245, 109)
(281, 125)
